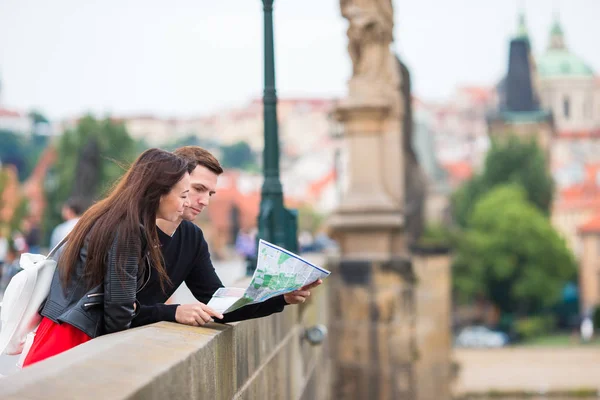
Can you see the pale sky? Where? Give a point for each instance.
(192, 57)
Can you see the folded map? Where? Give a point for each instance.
(278, 271)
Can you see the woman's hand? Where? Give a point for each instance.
(195, 314)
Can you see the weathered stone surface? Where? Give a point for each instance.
(258, 359)
(433, 366)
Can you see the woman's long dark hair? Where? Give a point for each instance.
(134, 200)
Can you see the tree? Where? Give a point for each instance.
(13, 149)
(238, 155)
(22, 151)
(509, 161)
(511, 254)
(116, 149)
(38, 118)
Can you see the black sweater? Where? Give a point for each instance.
(187, 259)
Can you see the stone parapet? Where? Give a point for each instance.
(433, 367)
(267, 358)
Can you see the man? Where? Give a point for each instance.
(71, 211)
(187, 259)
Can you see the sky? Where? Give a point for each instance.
(188, 58)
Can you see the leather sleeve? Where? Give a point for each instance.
(120, 286)
(155, 313)
(258, 310)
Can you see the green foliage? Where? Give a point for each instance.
(464, 199)
(509, 161)
(238, 155)
(309, 220)
(596, 317)
(437, 235)
(38, 118)
(117, 151)
(511, 254)
(22, 151)
(532, 327)
(3, 181)
(19, 215)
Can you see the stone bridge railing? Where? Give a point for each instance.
(267, 358)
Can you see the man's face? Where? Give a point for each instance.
(203, 184)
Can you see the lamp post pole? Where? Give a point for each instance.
(276, 224)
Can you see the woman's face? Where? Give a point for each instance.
(173, 204)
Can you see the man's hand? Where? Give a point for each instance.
(195, 314)
(299, 296)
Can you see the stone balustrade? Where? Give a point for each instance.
(257, 359)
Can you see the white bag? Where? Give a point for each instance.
(23, 298)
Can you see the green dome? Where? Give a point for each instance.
(560, 62)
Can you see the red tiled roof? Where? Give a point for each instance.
(584, 203)
(459, 170)
(591, 226)
(316, 187)
(4, 112)
(585, 195)
(580, 134)
(478, 93)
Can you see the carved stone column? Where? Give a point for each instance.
(369, 221)
(372, 319)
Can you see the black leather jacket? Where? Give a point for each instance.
(106, 308)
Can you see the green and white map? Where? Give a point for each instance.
(278, 271)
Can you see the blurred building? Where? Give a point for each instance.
(458, 126)
(153, 130)
(236, 203)
(438, 188)
(575, 205)
(450, 140)
(20, 122)
(589, 269)
(15, 121)
(519, 110)
(568, 86)
(571, 89)
(303, 122)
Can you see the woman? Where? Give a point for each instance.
(105, 260)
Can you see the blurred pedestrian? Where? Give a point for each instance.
(10, 268)
(4, 237)
(33, 235)
(245, 244)
(71, 212)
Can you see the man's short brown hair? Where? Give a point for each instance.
(200, 156)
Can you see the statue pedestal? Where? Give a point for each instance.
(369, 220)
(372, 308)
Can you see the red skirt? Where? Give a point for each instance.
(52, 339)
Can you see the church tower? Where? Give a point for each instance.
(519, 111)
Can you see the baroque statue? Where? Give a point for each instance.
(370, 34)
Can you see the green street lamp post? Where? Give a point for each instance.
(276, 224)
